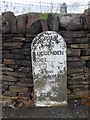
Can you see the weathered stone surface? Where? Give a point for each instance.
(35, 28)
(10, 93)
(53, 22)
(24, 69)
(87, 77)
(88, 63)
(23, 63)
(88, 35)
(14, 26)
(82, 94)
(49, 69)
(6, 36)
(44, 25)
(73, 52)
(88, 45)
(6, 52)
(8, 62)
(78, 87)
(70, 21)
(6, 101)
(4, 88)
(33, 24)
(1, 67)
(78, 77)
(18, 89)
(21, 23)
(82, 82)
(27, 95)
(30, 35)
(32, 18)
(26, 80)
(77, 74)
(15, 74)
(13, 45)
(0, 73)
(71, 71)
(72, 34)
(25, 83)
(85, 57)
(5, 83)
(18, 35)
(80, 40)
(73, 58)
(8, 78)
(86, 22)
(87, 101)
(14, 67)
(19, 39)
(87, 11)
(29, 39)
(30, 75)
(0, 25)
(27, 45)
(7, 19)
(21, 51)
(85, 52)
(79, 46)
(76, 64)
(76, 40)
(86, 19)
(0, 87)
(86, 70)
(13, 56)
(17, 51)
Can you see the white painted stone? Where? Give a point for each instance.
(49, 69)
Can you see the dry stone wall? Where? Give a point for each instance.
(17, 35)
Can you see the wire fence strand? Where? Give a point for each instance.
(40, 7)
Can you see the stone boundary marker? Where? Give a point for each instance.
(49, 69)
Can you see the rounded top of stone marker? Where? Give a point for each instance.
(47, 35)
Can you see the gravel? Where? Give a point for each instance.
(74, 109)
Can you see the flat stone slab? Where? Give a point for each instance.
(49, 69)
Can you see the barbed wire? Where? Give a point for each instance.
(41, 7)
